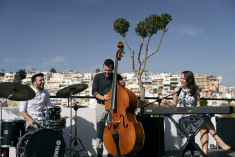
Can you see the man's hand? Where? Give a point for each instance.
(106, 97)
(27, 117)
(31, 122)
(122, 82)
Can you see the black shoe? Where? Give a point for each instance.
(99, 155)
(109, 155)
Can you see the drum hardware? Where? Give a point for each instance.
(13, 91)
(68, 92)
(41, 143)
(42, 119)
(12, 131)
(1, 106)
(52, 115)
(75, 139)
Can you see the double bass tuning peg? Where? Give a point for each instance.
(123, 53)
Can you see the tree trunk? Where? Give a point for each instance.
(142, 90)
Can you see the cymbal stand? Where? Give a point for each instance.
(1, 106)
(70, 150)
(76, 139)
(70, 143)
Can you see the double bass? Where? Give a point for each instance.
(122, 135)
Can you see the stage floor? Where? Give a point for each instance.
(211, 153)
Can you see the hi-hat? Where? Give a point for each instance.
(76, 107)
(20, 92)
(71, 90)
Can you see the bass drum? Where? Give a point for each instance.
(41, 143)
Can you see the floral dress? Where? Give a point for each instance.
(189, 122)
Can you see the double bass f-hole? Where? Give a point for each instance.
(115, 124)
(123, 121)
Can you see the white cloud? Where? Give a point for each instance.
(187, 30)
(49, 62)
(12, 60)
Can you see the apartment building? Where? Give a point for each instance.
(155, 84)
(1, 78)
(200, 80)
(11, 77)
(212, 86)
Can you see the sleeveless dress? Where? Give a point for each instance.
(189, 122)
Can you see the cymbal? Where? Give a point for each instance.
(21, 92)
(71, 90)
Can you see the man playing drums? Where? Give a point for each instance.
(31, 109)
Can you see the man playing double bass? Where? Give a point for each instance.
(101, 86)
(31, 109)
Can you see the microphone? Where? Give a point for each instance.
(178, 93)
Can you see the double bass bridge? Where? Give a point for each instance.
(114, 124)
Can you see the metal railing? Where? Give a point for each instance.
(154, 98)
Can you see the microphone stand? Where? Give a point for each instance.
(159, 100)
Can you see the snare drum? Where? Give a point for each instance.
(52, 113)
(41, 143)
(12, 131)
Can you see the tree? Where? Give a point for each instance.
(22, 74)
(53, 70)
(97, 70)
(147, 28)
(204, 102)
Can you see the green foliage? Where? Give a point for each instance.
(152, 24)
(139, 102)
(121, 26)
(232, 115)
(204, 102)
(22, 74)
(172, 87)
(165, 19)
(97, 70)
(53, 70)
(140, 30)
(2, 74)
(27, 84)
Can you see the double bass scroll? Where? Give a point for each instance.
(123, 135)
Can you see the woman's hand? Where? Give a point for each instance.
(163, 99)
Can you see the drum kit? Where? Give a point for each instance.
(47, 141)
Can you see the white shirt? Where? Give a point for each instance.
(34, 106)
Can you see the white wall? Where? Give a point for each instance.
(86, 126)
(87, 129)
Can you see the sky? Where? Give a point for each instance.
(78, 35)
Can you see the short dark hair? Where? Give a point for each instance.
(33, 78)
(109, 62)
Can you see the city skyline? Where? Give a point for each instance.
(78, 35)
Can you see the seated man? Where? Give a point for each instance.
(31, 109)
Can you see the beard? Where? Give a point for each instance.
(40, 87)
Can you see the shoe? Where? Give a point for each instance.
(205, 151)
(99, 155)
(109, 155)
(219, 141)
